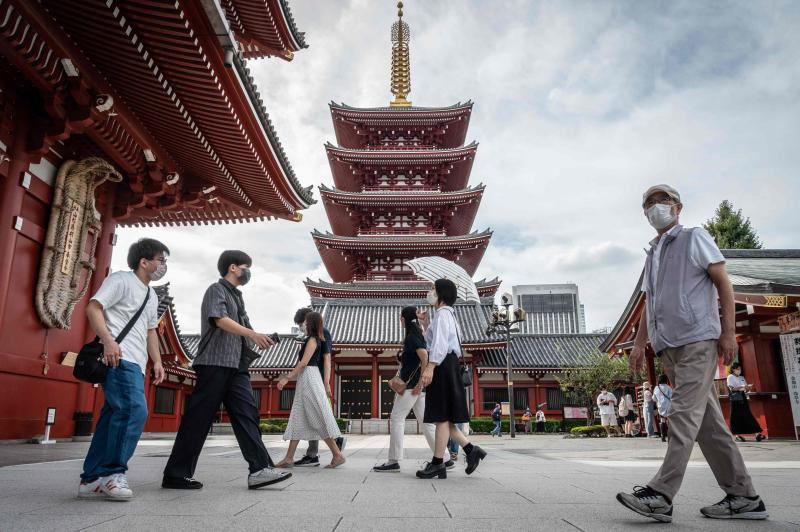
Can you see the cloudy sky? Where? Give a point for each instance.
(579, 107)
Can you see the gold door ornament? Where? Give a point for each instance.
(68, 259)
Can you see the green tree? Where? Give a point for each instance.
(731, 230)
(582, 384)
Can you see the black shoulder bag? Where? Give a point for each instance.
(249, 355)
(89, 366)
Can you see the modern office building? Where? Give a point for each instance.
(551, 308)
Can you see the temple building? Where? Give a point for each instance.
(114, 114)
(401, 190)
(766, 285)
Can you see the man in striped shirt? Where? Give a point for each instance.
(222, 372)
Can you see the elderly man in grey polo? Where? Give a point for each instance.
(685, 285)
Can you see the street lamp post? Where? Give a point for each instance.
(503, 320)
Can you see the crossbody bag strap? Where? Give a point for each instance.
(128, 326)
(458, 335)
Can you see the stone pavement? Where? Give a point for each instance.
(528, 483)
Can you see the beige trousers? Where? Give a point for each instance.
(695, 415)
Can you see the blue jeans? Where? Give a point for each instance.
(648, 416)
(496, 428)
(120, 425)
(452, 445)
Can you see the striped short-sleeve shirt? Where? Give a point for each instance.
(218, 347)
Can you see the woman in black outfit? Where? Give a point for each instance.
(446, 401)
(742, 420)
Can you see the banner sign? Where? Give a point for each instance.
(576, 412)
(790, 347)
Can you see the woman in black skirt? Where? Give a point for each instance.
(742, 420)
(446, 400)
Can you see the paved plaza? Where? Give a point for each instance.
(527, 483)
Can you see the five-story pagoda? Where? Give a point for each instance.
(400, 191)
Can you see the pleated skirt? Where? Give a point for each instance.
(446, 398)
(311, 417)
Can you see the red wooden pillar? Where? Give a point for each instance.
(12, 196)
(269, 396)
(650, 363)
(376, 385)
(476, 390)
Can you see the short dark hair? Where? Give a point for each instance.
(300, 315)
(145, 248)
(446, 291)
(662, 379)
(736, 365)
(232, 256)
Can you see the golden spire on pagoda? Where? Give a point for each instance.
(401, 64)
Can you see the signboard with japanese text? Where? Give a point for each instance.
(790, 348)
(576, 412)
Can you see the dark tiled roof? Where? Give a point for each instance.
(550, 351)
(377, 322)
(249, 84)
(764, 270)
(299, 36)
(166, 304)
(281, 356)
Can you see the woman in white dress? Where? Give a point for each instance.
(311, 417)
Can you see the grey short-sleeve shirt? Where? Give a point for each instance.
(218, 347)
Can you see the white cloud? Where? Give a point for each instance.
(578, 108)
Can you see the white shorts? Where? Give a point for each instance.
(608, 420)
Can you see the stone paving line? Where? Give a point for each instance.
(528, 483)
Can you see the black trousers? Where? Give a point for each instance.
(215, 385)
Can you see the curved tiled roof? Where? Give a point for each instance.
(377, 322)
(545, 351)
(282, 356)
(400, 110)
(166, 304)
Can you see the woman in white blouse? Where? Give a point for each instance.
(446, 401)
(742, 420)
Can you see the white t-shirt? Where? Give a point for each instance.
(121, 295)
(609, 409)
(663, 396)
(540, 416)
(736, 381)
(703, 252)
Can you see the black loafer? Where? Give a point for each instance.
(185, 483)
(450, 464)
(474, 458)
(433, 470)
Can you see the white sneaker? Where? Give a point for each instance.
(265, 477)
(90, 490)
(116, 487)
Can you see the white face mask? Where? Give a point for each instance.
(431, 297)
(660, 215)
(160, 272)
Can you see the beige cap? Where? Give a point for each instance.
(668, 190)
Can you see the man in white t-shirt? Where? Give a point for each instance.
(607, 404)
(124, 413)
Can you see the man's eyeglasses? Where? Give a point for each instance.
(663, 200)
(162, 260)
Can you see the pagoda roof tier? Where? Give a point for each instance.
(347, 258)
(264, 28)
(358, 127)
(186, 126)
(355, 170)
(400, 211)
(387, 289)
